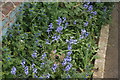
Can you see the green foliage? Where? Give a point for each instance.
(29, 40)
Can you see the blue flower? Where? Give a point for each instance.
(64, 19)
(48, 75)
(68, 67)
(68, 76)
(35, 76)
(34, 70)
(68, 59)
(90, 17)
(13, 70)
(11, 35)
(59, 21)
(23, 63)
(71, 41)
(81, 37)
(59, 29)
(54, 67)
(48, 30)
(66, 24)
(94, 12)
(86, 34)
(34, 55)
(31, 10)
(83, 31)
(19, 32)
(33, 65)
(47, 41)
(43, 56)
(69, 53)
(85, 6)
(86, 24)
(42, 63)
(90, 8)
(105, 9)
(74, 22)
(69, 47)
(64, 62)
(51, 26)
(26, 70)
(55, 37)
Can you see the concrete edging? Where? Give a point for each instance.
(100, 63)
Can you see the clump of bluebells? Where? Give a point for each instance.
(54, 40)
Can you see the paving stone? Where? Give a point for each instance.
(6, 8)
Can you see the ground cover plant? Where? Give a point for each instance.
(54, 40)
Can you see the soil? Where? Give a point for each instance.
(111, 64)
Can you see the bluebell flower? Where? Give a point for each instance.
(83, 31)
(74, 22)
(43, 56)
(68, 59)
(11, 35)
(41, 77)
(66, 24)
(47, 41)
(31, 10)
(64, 19)
(19, 32)
(81, 37)
(48, 75)
(13, 70)
(85, 6)
(86, 34)
(69, 53)
(55, 37)
(68, 76)
(34, 70)
(48, 30)
(42, 63)
(36, 41)
(59, 29)
(90, 8)
(59, 21)
(34, 55)
(71, 41)
(35, 76)
(33, 65)
(68, 67)
(69, 46)
(86, 24)
(54, 67)
(105, 9)
(8, 58)
(23, 63)
(94, 12)
(64, 62)
(26, 70)
(88, 45)
(51, 26)
(90, 17)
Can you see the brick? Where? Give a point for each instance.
(5, 20)
(1, 3)
(6, 8)
(17, 3)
